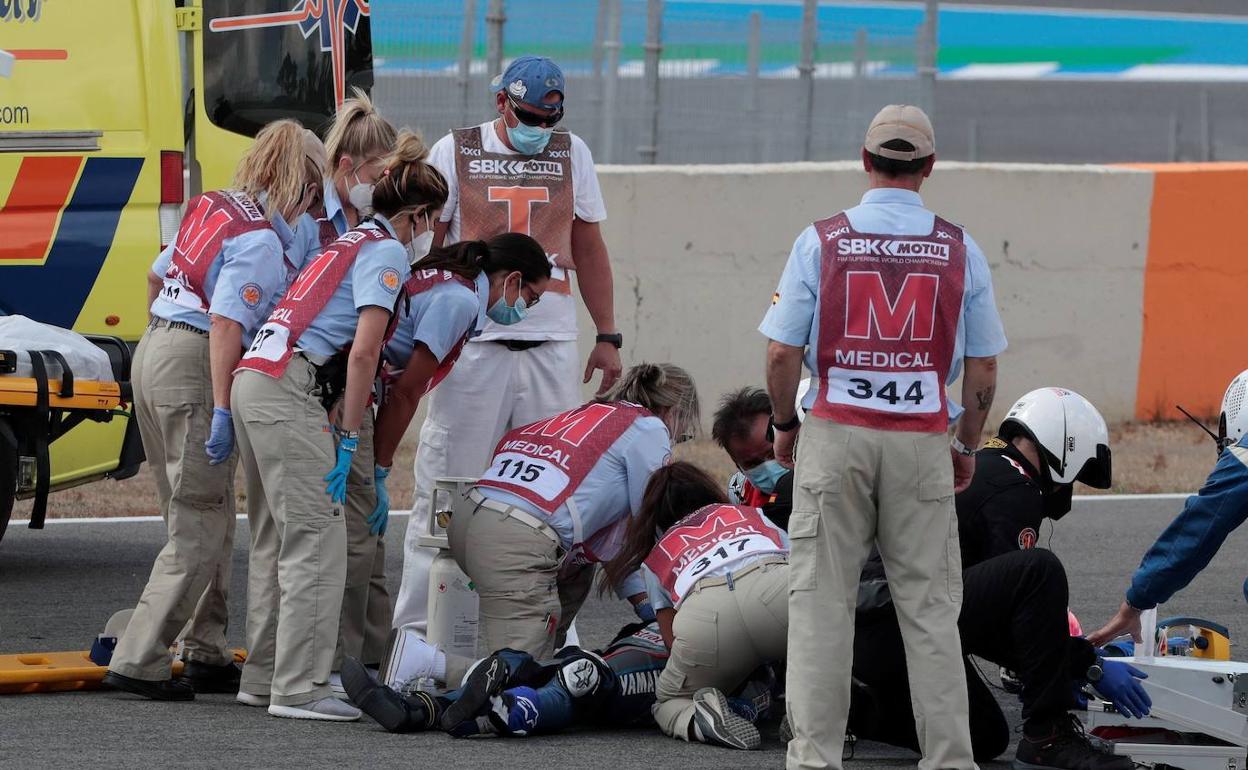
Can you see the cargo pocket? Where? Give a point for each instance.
(803, 532)
(953, 560)
(696, 631)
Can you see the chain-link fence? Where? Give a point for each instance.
(724, 82)
(649, 82)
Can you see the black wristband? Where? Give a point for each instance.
(616, 339)
(792, 424)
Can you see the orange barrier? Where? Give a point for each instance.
(1194, 287)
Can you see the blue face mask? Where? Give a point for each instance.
(529, 140)
(766, 475)
(502, 313)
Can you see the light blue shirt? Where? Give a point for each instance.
(374, 280)
(661, 598)
(308, 229)
(439, 318)
(794, 317)
(243, 283)
(609, 495)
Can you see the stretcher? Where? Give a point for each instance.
(43, 396)
(60, 671)
(1199, 718)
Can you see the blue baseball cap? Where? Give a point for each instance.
(529, 79)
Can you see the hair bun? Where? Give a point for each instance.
(409, 147)
(650, 375)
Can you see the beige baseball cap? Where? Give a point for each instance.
(905, 122)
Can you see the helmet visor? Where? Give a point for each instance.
(1097, 472)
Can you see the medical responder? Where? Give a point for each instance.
(1188, 545)
(513, 694)
(1014, 606)
(515, 173)
(555, 501)
(225, 268)
(450, 294)
(886, 302)
(717, 576)
(340, 306)
(742, 428)
(357, 144)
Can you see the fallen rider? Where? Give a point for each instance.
(509, 693)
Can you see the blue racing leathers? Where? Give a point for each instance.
(1192, 539)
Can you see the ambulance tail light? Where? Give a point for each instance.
(172, 193)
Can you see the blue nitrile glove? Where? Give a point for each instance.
(1120, 684)
(337, 478)
(380, 516)
(645, 611)
(220, 441)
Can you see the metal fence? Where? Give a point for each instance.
(653, 83)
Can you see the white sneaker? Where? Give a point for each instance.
(409, 659)
(325, 709)
(247, 699)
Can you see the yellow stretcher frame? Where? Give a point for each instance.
(87, 394)
(43, 672)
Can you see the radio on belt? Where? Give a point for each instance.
(1196, 698)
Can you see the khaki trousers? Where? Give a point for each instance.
(855, 487)
(366, 609)
(527, 603)
(191, 575)
(723, 633)
(298, 560)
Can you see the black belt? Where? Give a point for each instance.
(520, 344)
(158, 323)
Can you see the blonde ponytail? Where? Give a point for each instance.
(279, 165)
(408, 181)
(359, 131)
(665, 389)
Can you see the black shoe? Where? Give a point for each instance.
(396, 713)
(207, 678)
(487, 679)
(1063, 745)
(164, 689)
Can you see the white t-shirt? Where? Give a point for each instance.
(554, 318)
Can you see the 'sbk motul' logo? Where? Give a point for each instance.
(871, 314)
(515, 167)
(571, 427)
(888, 248)
(690, 534)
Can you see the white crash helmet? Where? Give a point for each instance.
(1233, 422)
(1069, 431)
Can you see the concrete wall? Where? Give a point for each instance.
(698, 250)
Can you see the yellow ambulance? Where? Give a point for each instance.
(112, 112)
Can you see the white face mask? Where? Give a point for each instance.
(419, 246)
(360, 195)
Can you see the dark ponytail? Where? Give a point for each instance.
(507, 252)
(673, 492)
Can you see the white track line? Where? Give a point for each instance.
(137, 519)
(145, 519)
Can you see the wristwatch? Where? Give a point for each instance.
(772, 427)
(961, 448)
(616, 339)
(1095, 672)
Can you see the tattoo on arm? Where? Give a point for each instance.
(983, 397)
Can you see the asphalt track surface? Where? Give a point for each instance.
(59, 586)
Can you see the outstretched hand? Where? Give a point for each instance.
(1127, 620)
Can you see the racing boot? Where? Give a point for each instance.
(1061, 744)
(398, 714)
(486, 679)
(715, 722)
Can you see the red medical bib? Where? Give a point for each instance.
(422, 281)
(888, 317)
(709, 538)
(210, 219)
(305, 299)
(544, 462)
